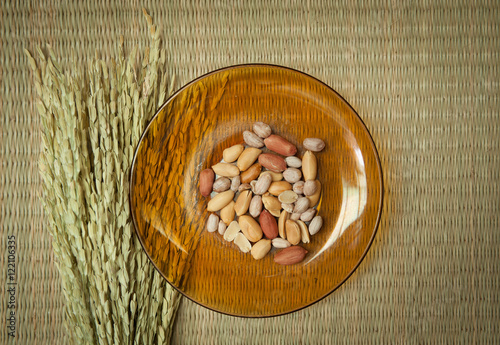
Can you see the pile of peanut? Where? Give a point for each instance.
(275, 193)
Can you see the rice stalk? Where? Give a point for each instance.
(92, 118)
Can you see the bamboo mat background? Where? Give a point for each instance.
(424, 77)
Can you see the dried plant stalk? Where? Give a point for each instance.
(91, 122)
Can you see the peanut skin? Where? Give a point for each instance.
(206, 181)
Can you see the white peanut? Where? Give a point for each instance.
(292, 175)
(293, 162)
(255, 206)
(315, 225)
(213, 222)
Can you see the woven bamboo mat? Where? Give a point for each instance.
(424, 76)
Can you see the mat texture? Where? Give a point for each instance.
(423, 76)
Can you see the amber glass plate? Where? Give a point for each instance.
(189, 133)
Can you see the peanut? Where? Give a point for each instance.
(293, 234)
(270, 202)
(315, 225)
(298, 187)
(244, 186)
(290, 256)
(250, 228)
(213, 222)
(313, 199)
(314, 144)
(222, 227)
(220, 200)
(309, 166)
(226, 169)
(272, 162)
(263, 184)
(232, 230)
(260, 249)
(284, 216)
(206, 181)
(243, 202)
(280, 145)
(293, 162)
(232, 153)
(251, 173)
(262, 129)
(288, 197)
(304, 232)
(221, 184)
(276, 188)
(247, 158)
(292, 175)
(279, 242)
(255, 207)
(310, 187)
(308, 215)
(235, 183)
(301, 205)
(242, 242)
(276, 176)
(268, 225)
(227, 213)
(252, 139)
